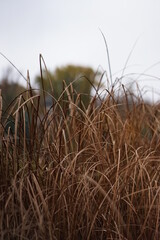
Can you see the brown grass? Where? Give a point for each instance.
(73, 173)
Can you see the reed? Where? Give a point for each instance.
(71, 172)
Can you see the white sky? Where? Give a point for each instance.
(68, 32)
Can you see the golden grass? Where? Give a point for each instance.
(73, 173)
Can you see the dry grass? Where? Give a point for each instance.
(73, 173)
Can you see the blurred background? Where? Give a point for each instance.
(68, 32)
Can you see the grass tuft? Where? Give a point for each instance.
(77, 172)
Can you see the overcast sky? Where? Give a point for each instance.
(67, 31)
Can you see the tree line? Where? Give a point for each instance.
(81, 79)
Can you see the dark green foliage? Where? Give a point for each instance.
(10, 90)
(82, 79)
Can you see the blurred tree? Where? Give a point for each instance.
(82, 77)
(10, 90)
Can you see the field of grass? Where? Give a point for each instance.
(70, 172)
